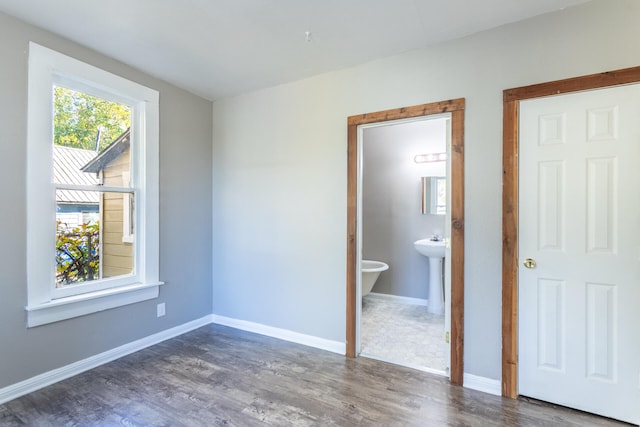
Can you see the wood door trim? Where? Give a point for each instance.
(510, 143)
(456, 108)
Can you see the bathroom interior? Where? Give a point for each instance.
(404, 309)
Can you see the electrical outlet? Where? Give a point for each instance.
(161, 309)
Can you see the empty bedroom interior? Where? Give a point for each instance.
(252, 207)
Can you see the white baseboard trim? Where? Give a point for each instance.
(40, 381)
(486, 385)
(283, 334)
(396, 298)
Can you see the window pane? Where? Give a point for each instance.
(91, 139)
(93, 240)
(91, 147)
(77, 248)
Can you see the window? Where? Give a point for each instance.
(119, 267)
(91, 147)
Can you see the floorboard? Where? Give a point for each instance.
(219, 376)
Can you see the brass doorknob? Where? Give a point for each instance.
(529, 263)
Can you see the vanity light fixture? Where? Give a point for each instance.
(428, 158)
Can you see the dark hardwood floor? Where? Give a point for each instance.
(218, 376)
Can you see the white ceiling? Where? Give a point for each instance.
(219, 48)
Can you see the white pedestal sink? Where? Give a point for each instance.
(434, 250)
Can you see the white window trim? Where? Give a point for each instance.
(45, 304)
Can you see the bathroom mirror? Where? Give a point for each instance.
(434, 195)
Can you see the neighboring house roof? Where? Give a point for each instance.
(67, 169)
(110, 153)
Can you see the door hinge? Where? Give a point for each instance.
(446, 337)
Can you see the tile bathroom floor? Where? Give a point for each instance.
(404, 334)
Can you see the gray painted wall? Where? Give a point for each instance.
(280, 161)
(391, 189)
(185, 219)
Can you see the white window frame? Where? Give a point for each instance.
(45, 303)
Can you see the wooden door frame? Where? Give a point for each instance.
(456, 108)
(510, 144)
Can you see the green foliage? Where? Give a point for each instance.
(78, 116)
(77, 253)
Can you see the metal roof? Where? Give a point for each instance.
(67, 169)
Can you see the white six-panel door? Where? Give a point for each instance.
(579, 226)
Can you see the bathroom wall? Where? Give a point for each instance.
(391, 216)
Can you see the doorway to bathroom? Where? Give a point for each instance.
(404, 309)
(390, 188)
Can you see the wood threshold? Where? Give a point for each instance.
(510, 144)
(456, 108)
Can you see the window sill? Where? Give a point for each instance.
(92, 302)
